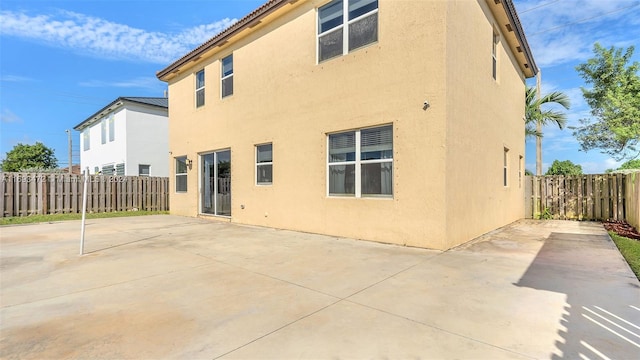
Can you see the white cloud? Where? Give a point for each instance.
(564, 31)
(104, 38)
(7, 116)
(144, 82)
(15, 78)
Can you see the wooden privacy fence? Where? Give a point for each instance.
(24, 194)
(584, 197)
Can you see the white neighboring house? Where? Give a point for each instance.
(130, 136)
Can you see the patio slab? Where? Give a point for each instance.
(175, 287)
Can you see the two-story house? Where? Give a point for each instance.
(393, 121)
(129, 136)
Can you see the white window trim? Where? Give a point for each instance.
(345, 24)
(103, 131)
(358, 167)
(223, 78)
(195, 98)
(112, 128)
(86, 139)
(263, 164)
(175, 164)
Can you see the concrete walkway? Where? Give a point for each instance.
(172, 287)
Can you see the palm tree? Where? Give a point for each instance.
(536, 117)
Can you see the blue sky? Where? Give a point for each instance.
(61, 61)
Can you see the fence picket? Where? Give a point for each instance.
(23, 194)
(584, 197)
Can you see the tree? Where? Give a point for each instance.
(536, 117)
(534, 112)
(614, 126)
(564, 168)
(631, 164)
(29, 156)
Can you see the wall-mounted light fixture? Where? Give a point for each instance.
(189, 163)
(426, 105)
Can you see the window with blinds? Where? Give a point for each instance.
(264, 164)
(360, 163)
(346, 25)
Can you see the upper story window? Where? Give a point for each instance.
(227, 76)
(360, 162)
(103, 131)
(494, 54)
(346, 25)
(264, 164)
(86, 140)
(200, 88)
(112, 129)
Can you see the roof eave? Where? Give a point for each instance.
(512, 15)
(223, 37)
(114, 105)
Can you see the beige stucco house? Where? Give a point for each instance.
(392, 121)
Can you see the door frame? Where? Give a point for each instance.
(201, 182)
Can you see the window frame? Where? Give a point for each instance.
(261, 164)
(86, 139)
(520, 171)
(358, 162)
(505, 172)
(177, 174)
(228, 77)
(148, 170)
(344, 26)
(112, 128)
(103, 131)
(199, 89)
(494, 53)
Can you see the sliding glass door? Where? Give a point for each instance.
(216, 183)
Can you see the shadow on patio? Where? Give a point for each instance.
(602, 312)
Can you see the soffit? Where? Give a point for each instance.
(505, 15)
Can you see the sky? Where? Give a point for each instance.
(62, 61)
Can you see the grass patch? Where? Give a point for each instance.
(16, 220)
(630, 250)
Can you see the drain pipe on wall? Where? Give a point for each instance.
(84, 210)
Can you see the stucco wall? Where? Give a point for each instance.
(282, 96)
(485, 116)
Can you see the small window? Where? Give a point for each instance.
(112, 129)
(181, 174)
(86, 140)
(505, 172)
(360, 163)
(346, 25)
(120, 170)
(144, 170)
(264, 164)
(520, 166)
(108, 169)
(227, 76)
(103, 131)
(494, 54)
(200, 88)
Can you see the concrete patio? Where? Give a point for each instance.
(172, 287)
